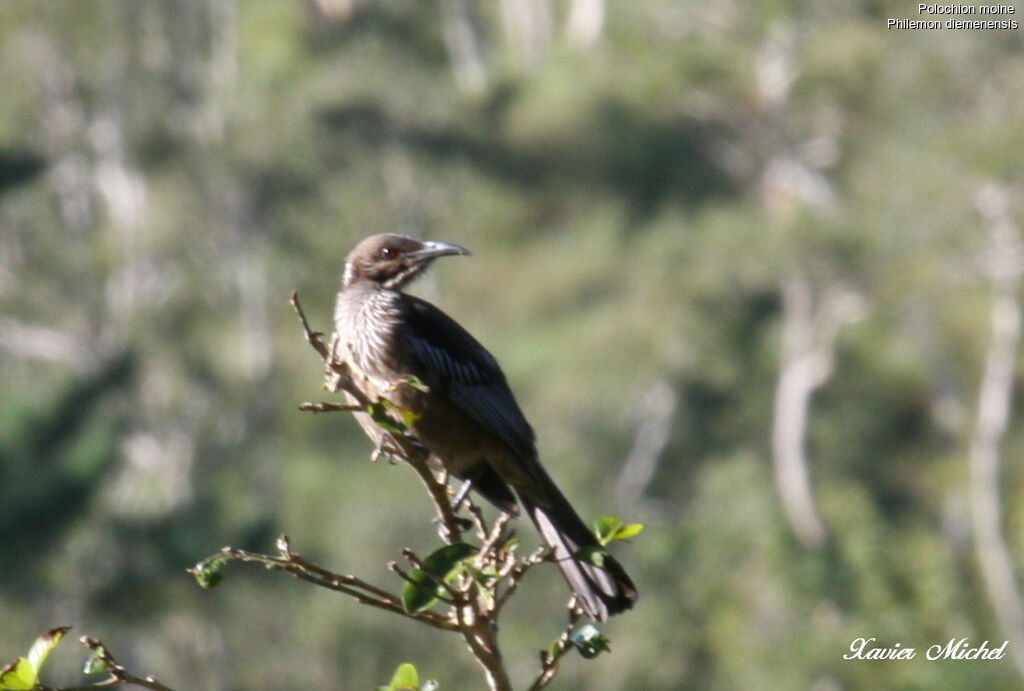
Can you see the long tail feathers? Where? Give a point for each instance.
(600, 591)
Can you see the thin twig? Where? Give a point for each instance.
(326, 407)
(497, 533)
(314, 338)
(549, 661)
(393, 566)
(518, 572)
(477, 516)
(118, 675)
(356, 588)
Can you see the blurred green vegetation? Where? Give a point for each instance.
(635, 202)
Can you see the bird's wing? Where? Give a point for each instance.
(455, 364)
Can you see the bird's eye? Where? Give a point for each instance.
(388, 252)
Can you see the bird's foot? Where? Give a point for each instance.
(384, 449)
(460, 498)
(463, 525)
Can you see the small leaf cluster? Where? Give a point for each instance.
(208, 572)
(590, 642)
(607, 529)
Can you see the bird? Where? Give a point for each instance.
(404, 349)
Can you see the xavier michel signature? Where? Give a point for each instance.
(955, 649)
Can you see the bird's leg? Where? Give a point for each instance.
(385, 448)
(463, 524)
(462, 494)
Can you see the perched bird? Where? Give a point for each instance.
(467, 416)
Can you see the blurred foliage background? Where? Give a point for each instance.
(736, 259)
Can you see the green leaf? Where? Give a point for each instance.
(592, 554)
(590, 642)
(488, 571)
(628, 531)
(379, 412)
(476, 574)
(409, 418)
(610, 528)
(18, 676)
(95, 664)
(416, 383)
(605, 528)
(405, 677)
(44, 645)
(208, 572)
(23, 673)
(442, 565)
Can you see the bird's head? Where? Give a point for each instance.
(392, 261)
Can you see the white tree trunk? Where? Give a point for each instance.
(809, 330)
(994, 403)
(586, 22)
(465, 43)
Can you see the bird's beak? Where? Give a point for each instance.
(432, 249)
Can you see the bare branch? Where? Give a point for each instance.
(356, 588)
(327, 407)
(314, 338)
